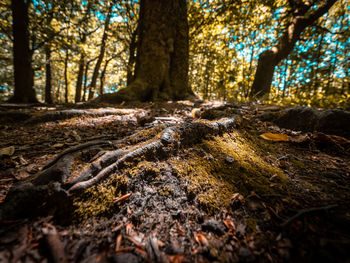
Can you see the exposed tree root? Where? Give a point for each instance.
(66, 114)
(56, 180)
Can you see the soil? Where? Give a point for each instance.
(206, 193)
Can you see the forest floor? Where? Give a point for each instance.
(232, 196)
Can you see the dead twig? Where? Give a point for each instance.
(307, 210)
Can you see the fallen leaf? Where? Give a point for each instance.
(201, 239)
(8, 151)
(229, 224)
(276, 137)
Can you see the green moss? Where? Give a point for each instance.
(235, 165)
(149, 170)
(97, 201)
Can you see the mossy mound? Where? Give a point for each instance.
(217, 168)
(97, 201)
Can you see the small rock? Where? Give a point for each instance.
(214, 226)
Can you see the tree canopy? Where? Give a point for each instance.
(90, 48)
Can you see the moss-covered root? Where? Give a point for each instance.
(167, 143)
(170, 140)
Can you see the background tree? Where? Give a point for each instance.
(23, 72)
(303, 14)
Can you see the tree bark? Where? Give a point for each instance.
(66, 83)
(48, 82)
(161, 69)
(132, 57)
(102, 76)
(78, 88)
(303, 16)
(23, 72)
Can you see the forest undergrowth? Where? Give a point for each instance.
(174, 182)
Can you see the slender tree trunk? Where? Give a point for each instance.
(101, 55)
(23, 72)
(285, 76)
(86, 79)
(161, 69)
(102, 76)
(48, 79)
(132, 57)
(80, 78)
(303, 16)
(66, 82)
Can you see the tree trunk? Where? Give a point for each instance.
(48, 83)
(66, 84)
(80, 78)
(102, 76)
(101, 55)
(132, 57)
(161, 69)
(303, 16)
(23, 72)
(85, 79)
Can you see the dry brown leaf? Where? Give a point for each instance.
(8, 151)
(276, 137)
(229, 224)
(201, 239)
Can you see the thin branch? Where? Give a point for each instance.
(329, 31)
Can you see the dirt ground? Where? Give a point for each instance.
(229, 196)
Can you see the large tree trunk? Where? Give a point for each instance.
(161, 70)
(303, 16)
(80, 78)
(48, 82)
(23, 72)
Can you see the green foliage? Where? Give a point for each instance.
(226, 38)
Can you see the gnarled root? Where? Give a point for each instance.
(58, 172)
